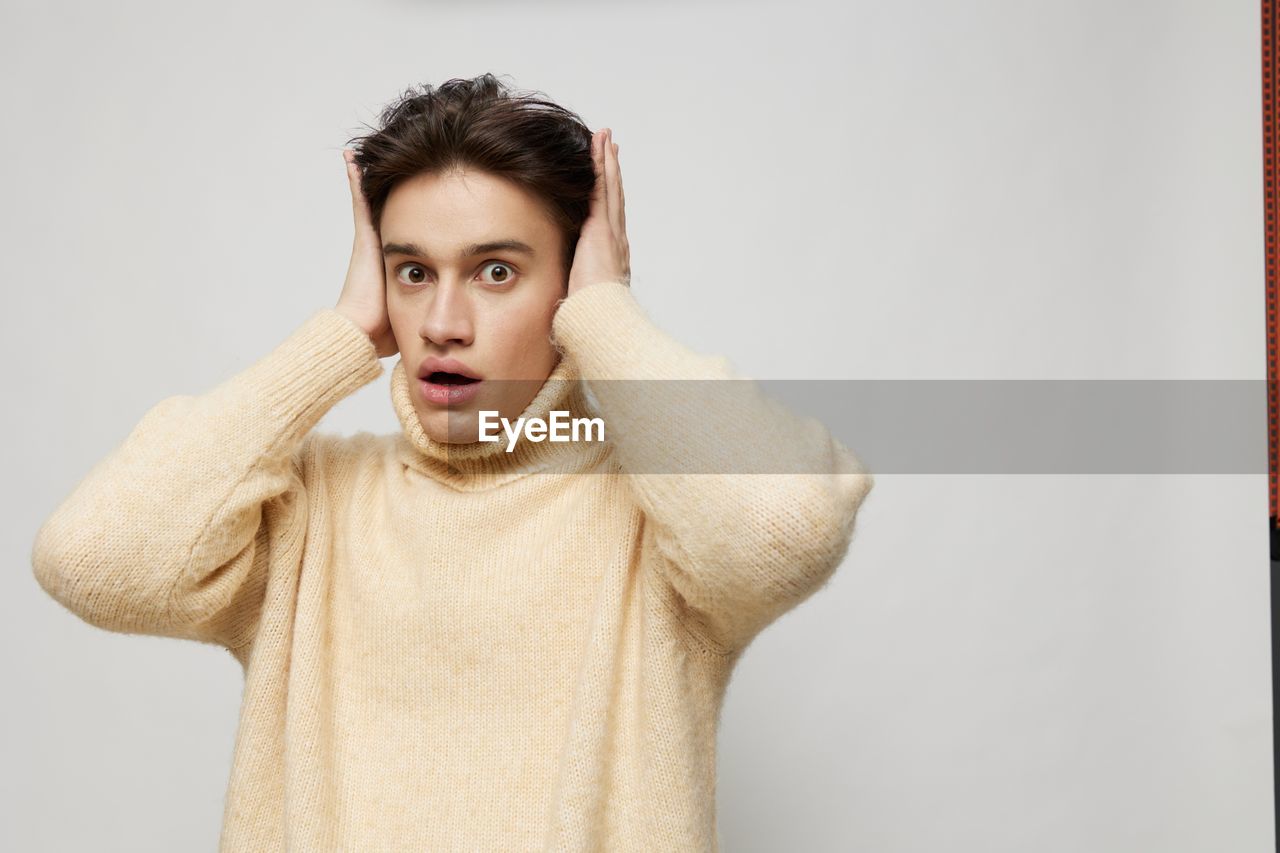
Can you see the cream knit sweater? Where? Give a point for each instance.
(452, 647)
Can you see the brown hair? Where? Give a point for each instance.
(483, 124)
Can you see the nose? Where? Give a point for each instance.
(448, 316)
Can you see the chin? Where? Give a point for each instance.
(452, 427)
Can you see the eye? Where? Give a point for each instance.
(507, 272)
(415, 270)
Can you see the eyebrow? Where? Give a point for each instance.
(389, 249)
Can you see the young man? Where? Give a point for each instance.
(453, 643)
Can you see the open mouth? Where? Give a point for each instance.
(441, 377)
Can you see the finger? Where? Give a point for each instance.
(606, 182)
(622, 194)
(597, 190)
(359, 204)
(622, 218)
(611, 182)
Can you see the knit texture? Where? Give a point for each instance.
(452, 647)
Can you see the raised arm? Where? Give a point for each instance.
(167, 535)
(173, 533)
(740, 548)
(752, 507)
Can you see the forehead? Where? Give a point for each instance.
(456, 208)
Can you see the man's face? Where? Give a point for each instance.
(449, 296)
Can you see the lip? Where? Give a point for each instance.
(448, 395)
(432, 363)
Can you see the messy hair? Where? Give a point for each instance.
(483, 124)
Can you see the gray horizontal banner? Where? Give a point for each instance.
(1041, 426)
(745, 426)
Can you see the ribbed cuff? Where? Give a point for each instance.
(611, 337)
(324, 360)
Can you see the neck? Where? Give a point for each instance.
(476, 465)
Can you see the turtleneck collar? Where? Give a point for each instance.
(480, 465)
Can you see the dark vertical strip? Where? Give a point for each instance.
(1269, 117)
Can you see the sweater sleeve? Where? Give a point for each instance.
(171, 533)
(738, 548)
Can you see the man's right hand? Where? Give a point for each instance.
(364, 294)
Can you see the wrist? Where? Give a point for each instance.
(351, 317)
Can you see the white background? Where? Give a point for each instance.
(867, 190)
